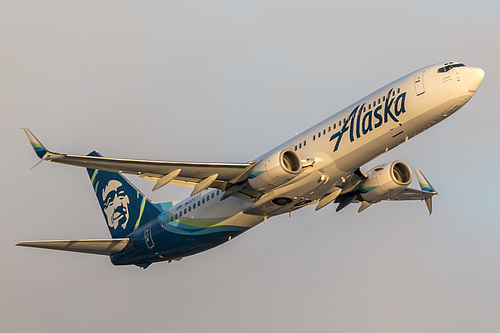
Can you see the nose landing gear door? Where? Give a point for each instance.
(419, 83)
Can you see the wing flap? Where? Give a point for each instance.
(94, 246)
(190, 170)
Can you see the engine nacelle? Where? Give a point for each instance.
(275, 170)
(385, 181)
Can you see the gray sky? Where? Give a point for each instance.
(226, 81)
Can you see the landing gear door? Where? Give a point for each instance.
(147, 237)
(419, 83)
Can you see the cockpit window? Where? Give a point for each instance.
(447, 67)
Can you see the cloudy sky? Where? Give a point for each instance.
(227, 81)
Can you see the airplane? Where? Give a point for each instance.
(316, 167)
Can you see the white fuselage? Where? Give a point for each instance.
(347, 140)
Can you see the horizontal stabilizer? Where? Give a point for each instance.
(95, 246)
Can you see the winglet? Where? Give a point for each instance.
(426, 187)
(40, 150)
(428, 202)
(424, 183)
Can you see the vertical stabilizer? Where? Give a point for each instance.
(124, 207)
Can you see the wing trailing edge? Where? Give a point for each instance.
(162, 172)
(94, 246)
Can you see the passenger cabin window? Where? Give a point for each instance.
(319, 135)
(300, 145)
(295, 148)
(329, 128)
(213, 195)
(314, 137)
(324, 131)
(304, 143)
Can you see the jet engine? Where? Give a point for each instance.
(385, 181)
(275, 170)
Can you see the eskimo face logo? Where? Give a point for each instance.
(360, 123)
(115, 204)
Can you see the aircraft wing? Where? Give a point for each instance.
(349, 193)
(198, 175)
(411, 194)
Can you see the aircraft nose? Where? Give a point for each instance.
(475, 76)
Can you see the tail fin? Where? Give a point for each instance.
(124, 207)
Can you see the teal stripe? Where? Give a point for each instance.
(204, 231)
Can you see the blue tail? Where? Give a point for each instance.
(124, 207)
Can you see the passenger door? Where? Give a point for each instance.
(419, 83)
